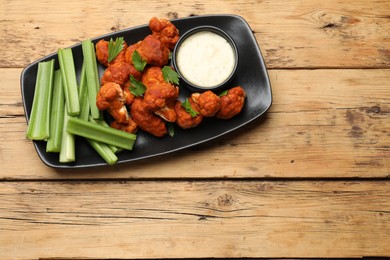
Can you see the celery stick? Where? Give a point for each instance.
(104, 151)
(83, 96)
(107, 152)
(92, 75)
(100, 133)
(39, 123)
(68, 73)
(113, 148)
(83, 84)
(67, 152)
(57, 115)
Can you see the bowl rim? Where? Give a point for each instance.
(221, 33)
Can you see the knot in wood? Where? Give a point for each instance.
(376, 109)
(225, 200)
(173, 15)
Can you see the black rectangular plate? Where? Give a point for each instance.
(251, 75)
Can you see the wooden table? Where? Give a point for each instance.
(309, 179)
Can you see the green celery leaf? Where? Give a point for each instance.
(187, 106)
(137, 88)
(224, 93)
(138, 62)
(171, 129)
(114, 48)
(170, 75)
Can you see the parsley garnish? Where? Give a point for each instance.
(138, 62)
(114, 48)
(137, 88)
(187, 106)
(171, 129)
(170, 75)
(223, 93)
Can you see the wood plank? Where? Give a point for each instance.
(291, 34)
(323, 123)
(183, 219)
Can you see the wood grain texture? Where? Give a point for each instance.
(323, 123)
(326, 140)
(291, 34)
(193, 219)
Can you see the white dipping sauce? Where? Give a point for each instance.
(206, 59)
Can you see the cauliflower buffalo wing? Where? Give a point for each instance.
(152, 76)
(129, 52)
(158, 92)
(153, 51)
(165, 31)
(167, 112)
(102, 53)
(146, 119)
(119, 72)
(110, 97)
(232, 103)
(129, 97)
(130, 126)
(207, 103)
(184, 119)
